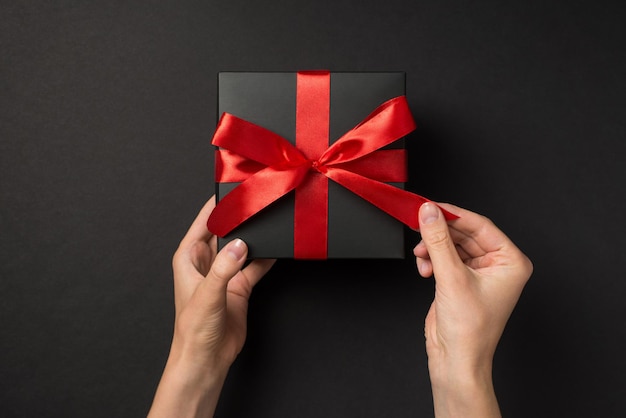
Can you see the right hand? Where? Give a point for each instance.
(479, 275)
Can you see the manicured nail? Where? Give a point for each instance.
(429, 212)
(236, 249)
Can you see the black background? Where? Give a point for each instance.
(106, 113)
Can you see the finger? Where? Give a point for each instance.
(257, 269)
(227, 264)
(191, 264)
(480, 239)
(436, 236)
(195, 259)
(243, 283)
(424, 267)
(465, 246)
(475, 233)
(422, 259)
(420, 251)
(464, 255)
(198, 230)
(477, 263)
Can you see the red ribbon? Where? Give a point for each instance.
(268, 166)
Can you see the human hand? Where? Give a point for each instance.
(211, 292)
(479, 275)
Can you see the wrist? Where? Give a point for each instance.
(462, 388)
(190, 385)
(199, 367)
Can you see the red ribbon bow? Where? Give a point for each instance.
(269, 166)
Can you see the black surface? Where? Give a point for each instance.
(356, 228)
(106, 111)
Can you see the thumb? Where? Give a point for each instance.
(228, 262)
(436, 237)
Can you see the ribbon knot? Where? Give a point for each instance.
(317, 166)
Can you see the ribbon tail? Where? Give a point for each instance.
(401, 204)
(267, 185)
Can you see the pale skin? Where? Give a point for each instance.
(211, 292)
(479, 277)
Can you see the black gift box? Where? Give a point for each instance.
(356, 228)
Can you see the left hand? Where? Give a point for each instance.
(211, 292)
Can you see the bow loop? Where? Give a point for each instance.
(264, 146)
(387, 123)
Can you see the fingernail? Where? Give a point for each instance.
(236, 249)
(429, 212)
